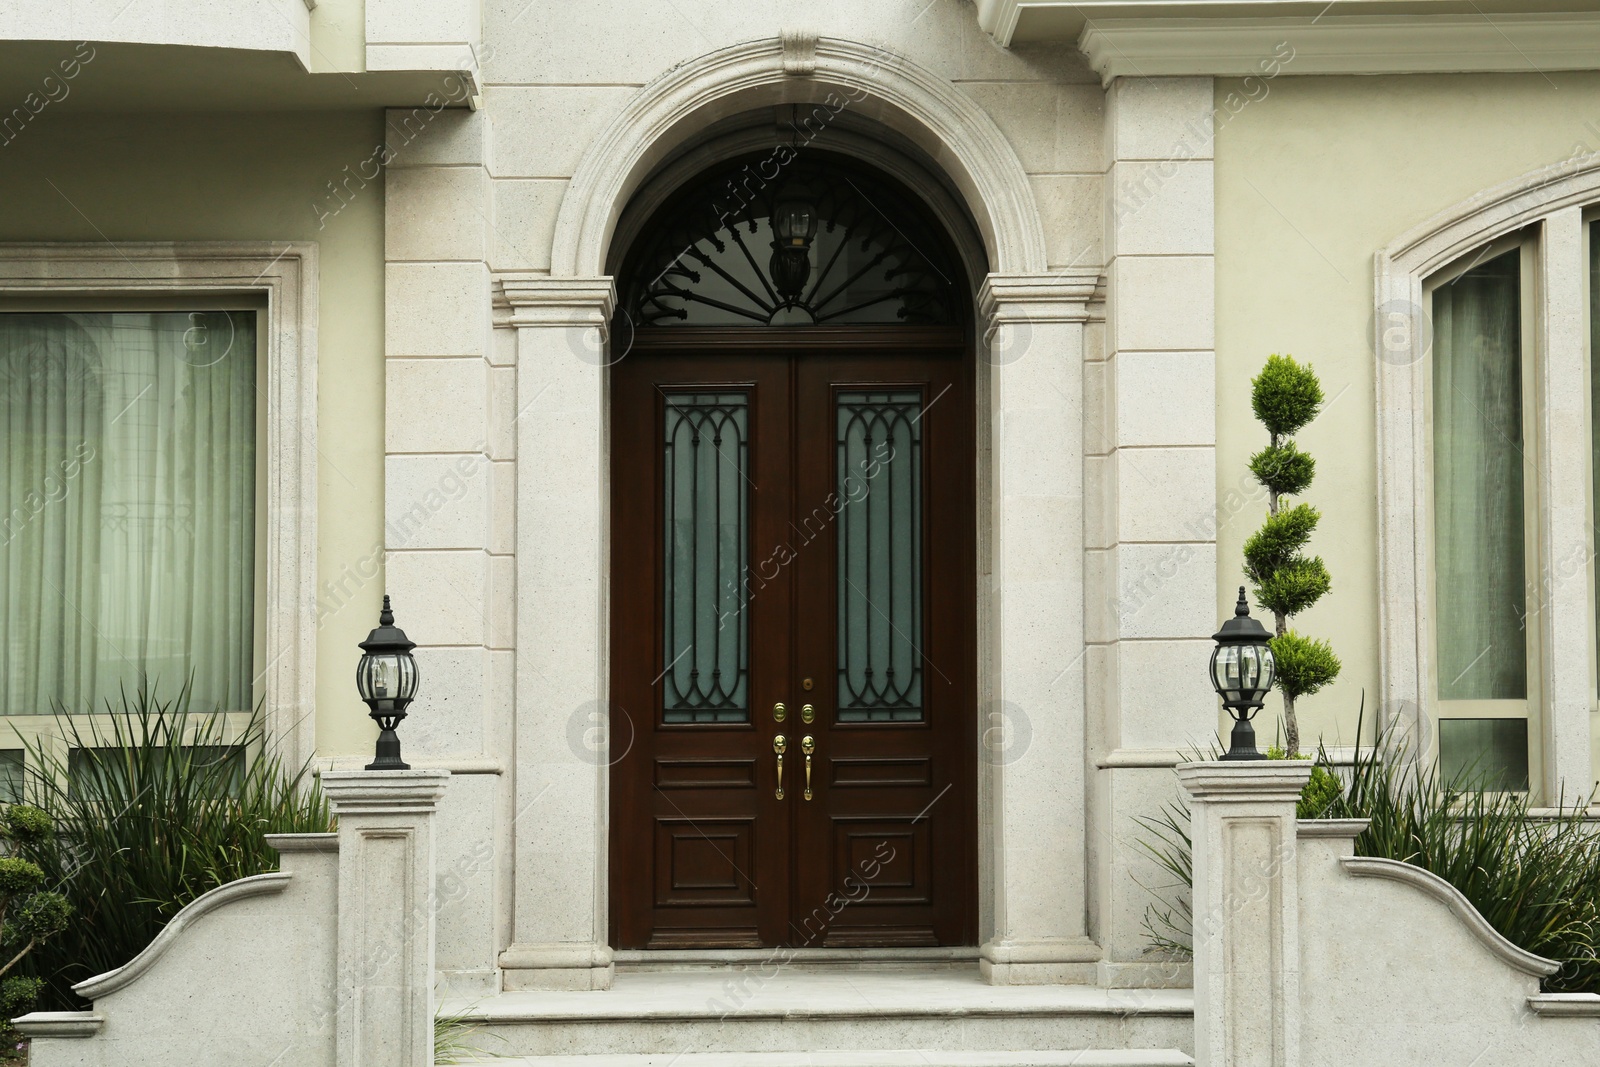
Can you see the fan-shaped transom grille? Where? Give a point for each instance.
(794, 239)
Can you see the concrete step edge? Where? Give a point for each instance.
(891, 1058)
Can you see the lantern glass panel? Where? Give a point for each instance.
(387, 676)
(1242, 674)
(795, 222)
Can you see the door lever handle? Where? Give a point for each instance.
(808, 746)
(780, 746)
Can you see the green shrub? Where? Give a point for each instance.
(1285, 396)
(148, 819)
(30, 915)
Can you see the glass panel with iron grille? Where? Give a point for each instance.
(879, 445)
(824, 243)
(706, 447)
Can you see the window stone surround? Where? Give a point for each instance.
(1550, 203)
(286, 274)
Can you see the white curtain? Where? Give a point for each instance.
(127, 545)
(1478, 480)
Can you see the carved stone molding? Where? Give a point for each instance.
(946, 123)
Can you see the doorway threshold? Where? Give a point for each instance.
(646, 961)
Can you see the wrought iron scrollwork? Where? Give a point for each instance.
(815, 242)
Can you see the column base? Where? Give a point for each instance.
(562, 965)
(1046, 961)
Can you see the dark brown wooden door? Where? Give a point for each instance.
(793, 526)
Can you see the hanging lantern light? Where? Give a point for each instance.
(794, 226)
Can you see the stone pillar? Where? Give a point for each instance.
(1152, 489)
(386, 920)
(1246, 908)
(1032, 566)
(563, 538)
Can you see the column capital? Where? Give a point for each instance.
(540, 300)
(1051, 296)
(384, 792)
(1245, 782)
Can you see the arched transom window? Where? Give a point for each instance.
(791, 238)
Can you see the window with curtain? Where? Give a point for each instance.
(1480, 543)
(128, 479)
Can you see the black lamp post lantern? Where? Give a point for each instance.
(794, 225)
(386, 677)
(1242, 669)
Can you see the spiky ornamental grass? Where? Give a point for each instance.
(159, 805)
(1286, 396)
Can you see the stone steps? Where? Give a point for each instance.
(889, 1058)
(838, 1019)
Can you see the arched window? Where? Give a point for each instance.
(791, 238)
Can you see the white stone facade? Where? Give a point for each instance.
(1081, 172)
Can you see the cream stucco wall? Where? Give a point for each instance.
(198, 177)
(1311, 180)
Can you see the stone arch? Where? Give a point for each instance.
(801, 69)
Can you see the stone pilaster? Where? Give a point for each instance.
(1152, 487)
(559, 827)
(1033, 772)
(386, 914)
(1246, 908)
(446, 513)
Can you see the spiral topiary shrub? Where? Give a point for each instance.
(1286, 396)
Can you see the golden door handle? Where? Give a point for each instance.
(779, 712)
(780, 746)
(808, 746)
(807, 713)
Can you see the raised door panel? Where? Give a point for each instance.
(700, 850)
(884, 627)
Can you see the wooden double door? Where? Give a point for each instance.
(793, 721)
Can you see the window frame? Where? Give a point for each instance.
(1548, 204)
(1530, 708)
(279, 281)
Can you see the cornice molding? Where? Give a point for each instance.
(998, 18)
(1247, 782)
(1557, 1005)
(540, 300)
(1364, 44)
(1061, 296)
(385, 792)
